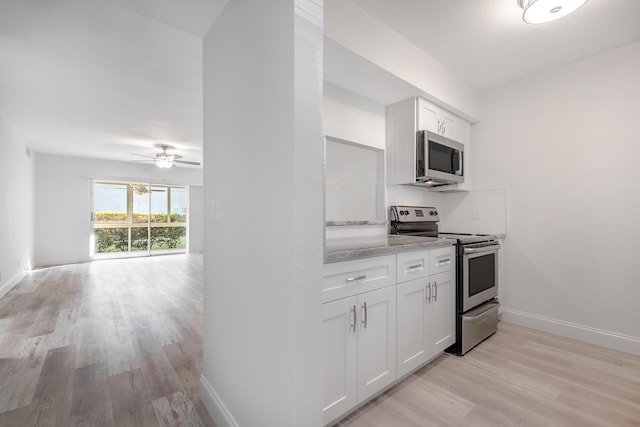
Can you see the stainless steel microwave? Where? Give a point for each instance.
(439, 160)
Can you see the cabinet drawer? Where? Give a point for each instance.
(443, 259)
(344, 279)
(413, 265)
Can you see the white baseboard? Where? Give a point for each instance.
(218, 411)
(4, 289)
(612, 340)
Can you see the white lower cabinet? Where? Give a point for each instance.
(413, 324)
(442, 328)
(376, 341)
(359, 349)
(426, 319)
(373, 337)
(340, 342)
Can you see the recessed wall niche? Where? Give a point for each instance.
(354, 183)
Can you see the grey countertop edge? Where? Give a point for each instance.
(349, 255)
(348, 223)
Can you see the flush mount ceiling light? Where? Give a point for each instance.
(541, 11)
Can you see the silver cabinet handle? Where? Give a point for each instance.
(364, 321)
(444, 128)
(353, 308)
(353, 279)
(429, 293)
(435, 293)
(442, 261)
(411, 267)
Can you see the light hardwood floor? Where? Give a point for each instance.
(106, 343)
(518, 377)
(119, 343)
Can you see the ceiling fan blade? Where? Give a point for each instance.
(143, 155)
(140, 161)
(187, 162)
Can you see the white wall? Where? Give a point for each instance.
(477, 212)
(355, 118)
(352, 117)
(350, 26)
(16, 208)
(62, 216)
(566, 145)
(263, 146)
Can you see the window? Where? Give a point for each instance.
(139, 218)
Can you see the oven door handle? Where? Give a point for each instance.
(483, 312)
(490, 248)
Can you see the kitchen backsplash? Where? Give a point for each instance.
(477, 211)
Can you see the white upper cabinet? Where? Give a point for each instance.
(437, 120)
(404, 120)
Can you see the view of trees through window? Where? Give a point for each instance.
(139, 217)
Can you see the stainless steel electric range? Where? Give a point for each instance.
(476, 273)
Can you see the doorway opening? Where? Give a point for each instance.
(138, 219)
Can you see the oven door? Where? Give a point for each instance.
(479, 274)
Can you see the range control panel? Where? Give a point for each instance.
(413, 214)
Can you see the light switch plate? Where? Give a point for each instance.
(216, 211)
(476, 213)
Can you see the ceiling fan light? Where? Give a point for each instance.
(164, 162)
(541, 11)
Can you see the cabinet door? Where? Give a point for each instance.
(412, 335)
(339, 331)
(442, 313)
(376, 341)
(448, 125)
(462, 131)
(428, 116)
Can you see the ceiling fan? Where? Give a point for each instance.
(165, 160)
(142, 189)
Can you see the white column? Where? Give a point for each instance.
(263, 214)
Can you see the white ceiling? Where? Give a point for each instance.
(90, 78)
(105, 78)
(486, 43)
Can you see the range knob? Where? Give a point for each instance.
(433, 213)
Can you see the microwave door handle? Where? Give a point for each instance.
(421, 167)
